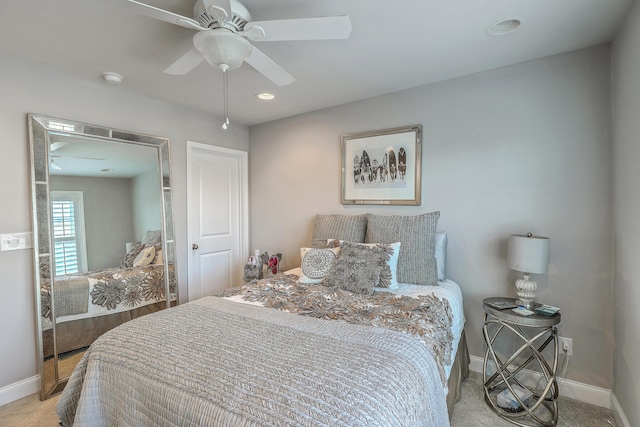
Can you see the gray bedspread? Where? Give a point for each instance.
(214, 362)
(72, 296)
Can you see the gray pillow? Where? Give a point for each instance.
(152, 237)
(416, 234)
(358, 268)
(340, 227)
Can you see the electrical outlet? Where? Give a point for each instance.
(565, 346)
(16, 241)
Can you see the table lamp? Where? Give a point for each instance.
(529, 254)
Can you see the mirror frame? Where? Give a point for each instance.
(39, 141)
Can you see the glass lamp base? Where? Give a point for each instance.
(526, 290)
(529, 305)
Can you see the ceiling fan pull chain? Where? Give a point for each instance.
(225, 90)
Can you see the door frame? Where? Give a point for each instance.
(243, 156)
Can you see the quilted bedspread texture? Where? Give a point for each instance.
(214, 362)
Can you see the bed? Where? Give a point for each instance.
(89, 304)
(283, 351)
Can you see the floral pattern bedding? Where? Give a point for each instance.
(113, 289)
(427, 316)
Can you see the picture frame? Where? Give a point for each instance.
(382, 167)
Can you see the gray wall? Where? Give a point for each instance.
(147, 204)
(626, 149)
(523, 148)
(27, 89)
(108, 216)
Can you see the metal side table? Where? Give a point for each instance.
(533, 334)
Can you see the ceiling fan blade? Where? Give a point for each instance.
(219, 9)
(325, 28)
(56, 145)
(185, 63)
(252, 32)
(165, 15)
(54, 165)
(269, 68)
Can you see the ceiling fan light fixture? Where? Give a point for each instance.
(220, 46)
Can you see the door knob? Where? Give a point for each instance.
(194, 246)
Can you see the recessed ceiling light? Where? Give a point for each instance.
(112, 78)
(107, 170)
(265, 96)
(503, 27)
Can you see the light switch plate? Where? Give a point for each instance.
(16, 241)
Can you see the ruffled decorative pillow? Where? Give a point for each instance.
(316, 263)
(360, 267)
(389, 272)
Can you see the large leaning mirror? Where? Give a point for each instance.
(104, 247)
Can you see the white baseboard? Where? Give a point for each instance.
(618, 413)
(579, 391)
(19, 390)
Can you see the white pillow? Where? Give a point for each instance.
(145, 257)
(441, 254)
(316, 263)
(392, 263)
(158, 257)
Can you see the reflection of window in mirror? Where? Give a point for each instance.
(70, 249)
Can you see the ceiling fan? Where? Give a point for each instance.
(56, 166)
(223, 27)
(59, 144)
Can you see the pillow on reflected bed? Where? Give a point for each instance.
(145, 257)
(130, 257)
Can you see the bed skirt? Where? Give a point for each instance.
(459, 371)
(77, 334)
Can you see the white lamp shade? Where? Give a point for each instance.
(529, 254)
(221, 46)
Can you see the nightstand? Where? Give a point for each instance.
(506, 370)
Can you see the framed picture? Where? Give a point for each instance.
(382, 167)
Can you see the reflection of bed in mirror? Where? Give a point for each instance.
(90, 304)
(103, 236)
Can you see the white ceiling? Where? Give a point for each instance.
(394, 45)
(95, 157)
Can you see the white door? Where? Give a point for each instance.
(217, 197)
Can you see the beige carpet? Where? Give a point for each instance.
(470, 411)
